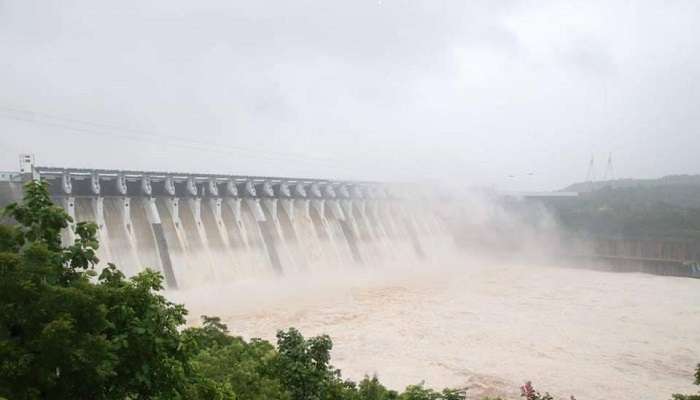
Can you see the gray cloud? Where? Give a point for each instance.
(390, 89)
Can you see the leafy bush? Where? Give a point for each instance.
(529, 393)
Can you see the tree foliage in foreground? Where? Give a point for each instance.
(64, 336)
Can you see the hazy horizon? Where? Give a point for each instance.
(513, 94)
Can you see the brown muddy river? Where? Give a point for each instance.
(593, 334)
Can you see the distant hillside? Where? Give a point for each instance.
(674, 190)
(667, 207)
(670, 180)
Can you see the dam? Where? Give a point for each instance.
(202, 228)
(197, 228)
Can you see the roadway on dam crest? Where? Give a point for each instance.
(487, 326)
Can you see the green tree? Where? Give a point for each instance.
(231, 363)
(372, 389)
(65, 336)
(303, 366)
(418, 392)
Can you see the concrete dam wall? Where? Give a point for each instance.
(195, 228)
(655, 256)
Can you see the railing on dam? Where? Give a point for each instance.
(214, 227)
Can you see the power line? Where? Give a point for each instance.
(106, 130)
(257, 157)
(153, 138)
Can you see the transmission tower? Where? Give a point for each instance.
(590, 175)
(609, 171)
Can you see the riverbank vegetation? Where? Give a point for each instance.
(663, 209)
(67, 333)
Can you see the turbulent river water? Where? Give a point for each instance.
(483, 325)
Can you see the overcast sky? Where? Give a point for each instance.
(514, 94)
